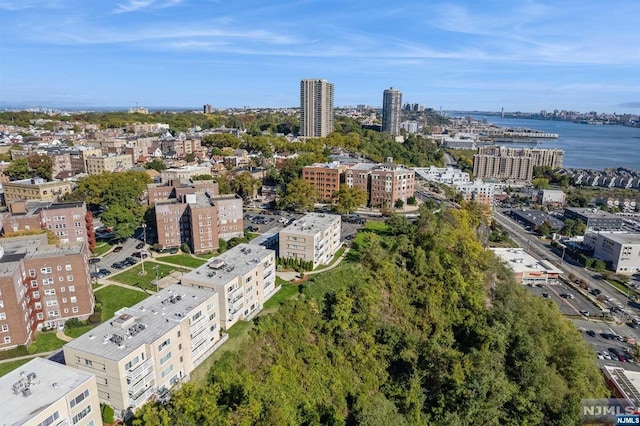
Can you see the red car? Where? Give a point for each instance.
(117, 249)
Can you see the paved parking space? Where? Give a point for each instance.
(597, 334)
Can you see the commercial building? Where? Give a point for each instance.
(390, 183)
(446, 175)
(526, 268)
(391, 111)
(501, 162)
(243, 277)
(552, 197)
(108, 163)
(624, 384)
(146, 349)
(35, 189)
(316, 108)
(620, 249)
(314, 237)
(44, 392)
(595, 219)
(325, 178)
(533, 219)
(41, 285)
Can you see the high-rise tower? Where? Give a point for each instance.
(316, 108)
(391, 107)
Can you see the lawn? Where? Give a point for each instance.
(45, 342)
(207, 256)
(335, 258)
(341, 276)
(102, 248)
(112, 298)
(238, 337)
(185, 260)
(132, 276)
(379, 228)
(286, 292)
(8, 367)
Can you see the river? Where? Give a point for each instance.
(585, 146)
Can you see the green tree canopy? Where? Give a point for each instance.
(349, 199)
(19, 169)
(245, 185)
(299, 195)
(156, 164)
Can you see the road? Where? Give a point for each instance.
(540, 250)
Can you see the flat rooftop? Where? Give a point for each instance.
(142, 323)
(46, 381)
(538, 217)
(238, 261)
(624, 238)
(521, 261)
(628, 381)
(592, 212)
(311, 224)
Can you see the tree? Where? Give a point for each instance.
(156, 164)
(245, 185)
(412, 201)
(41, 165)
(202, 177)
(399, 204)
(397, 224)
(224, 184)
(349, 199)
(221, 140)
(545, 228)
(123, 221)
(19, 169)
(190, 157)
(299, 195)
(540, 183)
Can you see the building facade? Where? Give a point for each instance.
(477, 191)
(391, 111)
(316, 108)
(108, 163)
(41, 285)
(595, 219)
(35, 189)
(244, 277)
(390, 183)
(501, 162)
(144, 350)
(186, 172)
(325, 178)
(620, 250)
(314, 237)
(527, 269)
(44, 392)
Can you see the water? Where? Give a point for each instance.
(585, 146)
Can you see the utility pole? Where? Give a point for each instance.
(144, 237)
(157, 283)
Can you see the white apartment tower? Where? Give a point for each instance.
(391, 108)
(316, 108)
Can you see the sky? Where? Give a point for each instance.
(484, 55)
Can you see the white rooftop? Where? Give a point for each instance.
(521, 261)
(627, 380)
(311, 224)
(238, 261)
(143, 323)
(623, 238)
(46, 381)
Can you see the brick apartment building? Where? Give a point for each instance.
(390, 183)
(41, 285)
(70, 222)
(177, 188)
(198, 220)
(35, 189)
(325, 177)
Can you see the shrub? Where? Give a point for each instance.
(95, 318)
(107, 413)
(185, 248)
(73, 323)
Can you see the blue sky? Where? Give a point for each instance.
(521, 55)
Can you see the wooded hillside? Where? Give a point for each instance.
(420, 328)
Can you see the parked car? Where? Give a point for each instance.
(585, 313)
(94, 260)
(117, 249)
(173, 250)
(105, 271)
(591, 333)
(131, 260)
(545, 295)
(140, 246)
(252, 228)
(117, 265)
(141, 254)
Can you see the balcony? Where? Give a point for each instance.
(138, 400)
(135, 372)
(236, 306)
(195, 328)
(235, 294)
(134, 388)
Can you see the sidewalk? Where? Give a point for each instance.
(292, 275)
(18, 358)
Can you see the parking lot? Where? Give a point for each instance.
(568, 306)
(607, 339)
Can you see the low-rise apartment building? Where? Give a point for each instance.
(446, 175)
(229, 214)
(390, 183)
(41, 285)
(35, 189)
(325, 178)
(314, 237)
(108, 163)
(619, 249)
(244, 277)
(186, 172)
(478, 191)
(146, 349)
(174, 189)
(43, 392)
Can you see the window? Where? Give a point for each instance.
(62, 289)
(49, 420)
(74, 299)
(165, 358)
(36, 295)
(47, 281)
(3, 316)
(32, 272)
(82, 414)
(78, 399)
(67, 267)
(5, 328)
(46, 270)
(7, 339)
(72, 289)
(50, 292)
(40, 315)
(74, 309)
(52, 303)
(59, 268)
(167, 370)
(34, 284)
(69, 277)
(163, 345)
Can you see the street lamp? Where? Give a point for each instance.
(144, 237)
(157, 283)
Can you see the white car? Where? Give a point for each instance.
(606, 355)
(585, 313)
(600, 356)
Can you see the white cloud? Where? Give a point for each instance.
(137, 5)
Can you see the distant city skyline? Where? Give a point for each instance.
(464, 55)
